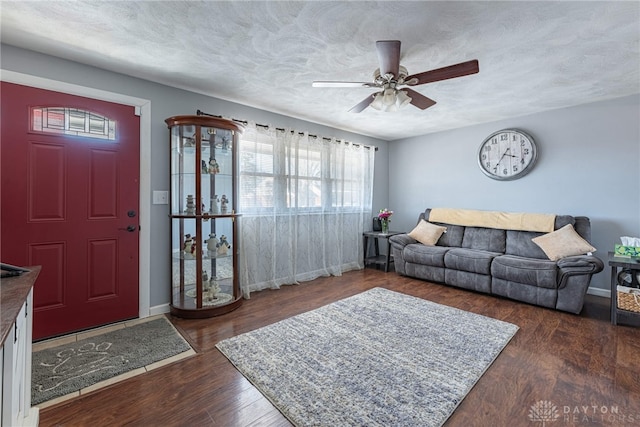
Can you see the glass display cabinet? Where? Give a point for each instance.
(204, 223)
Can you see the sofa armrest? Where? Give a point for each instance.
(578, 265)
(399, 241)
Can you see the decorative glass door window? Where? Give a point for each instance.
(72, 121)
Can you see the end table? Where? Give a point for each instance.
(376, 258)
(624, 263)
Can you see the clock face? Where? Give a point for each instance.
(507, 154)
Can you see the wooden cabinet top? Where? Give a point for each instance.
(13, 294)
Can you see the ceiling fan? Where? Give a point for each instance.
(393, 78)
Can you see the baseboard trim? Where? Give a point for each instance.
(159, 309)
(32, 417)
(606, 293)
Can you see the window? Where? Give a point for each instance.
(257, 176)
(72, 121)
(283, 171)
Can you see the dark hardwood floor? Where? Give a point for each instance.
(586, 367)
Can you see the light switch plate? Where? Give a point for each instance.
(160, 197)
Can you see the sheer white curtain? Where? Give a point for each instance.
(304, 202)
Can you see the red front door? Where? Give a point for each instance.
(70, 204)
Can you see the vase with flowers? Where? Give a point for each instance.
(385, 218)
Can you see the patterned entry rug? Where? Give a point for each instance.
(379, 358)
(61, 370)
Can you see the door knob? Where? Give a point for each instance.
(130, 228)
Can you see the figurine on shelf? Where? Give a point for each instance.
(204, 168)
(225, 143)
(191, 205)
(203, 211)
(211, 294)
(215, 288)
(205, 280)
(194, 248)
(223, 246)
(213, 209)
(223, 204)
(214, 167)
(212, 244)
(186, 247)
(207, 296)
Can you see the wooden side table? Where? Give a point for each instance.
(376, 258)
(622, 263)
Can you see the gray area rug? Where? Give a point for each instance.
(379, 358)
(71, 367)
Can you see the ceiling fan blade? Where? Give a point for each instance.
(389, 56)
(342, 84)
(362, 104)
(450, 72)
(418, 99)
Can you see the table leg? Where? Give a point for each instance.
(614, 295)
(365, 244)
(386, 264)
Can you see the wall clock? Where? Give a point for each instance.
(507, 154)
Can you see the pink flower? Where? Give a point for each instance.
(385, 214)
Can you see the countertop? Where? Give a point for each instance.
(13, 294)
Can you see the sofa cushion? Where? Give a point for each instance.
(562, 220)
(543, 297)
(563, 243)
(583, 227)
(418, 253)
(534, 272)
(471, 260)
(484, 239)
(427, 233)
(453, 236)
(520, 243)
(467, 280)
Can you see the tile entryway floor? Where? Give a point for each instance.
(54, 342)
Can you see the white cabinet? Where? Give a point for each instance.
(16, 370)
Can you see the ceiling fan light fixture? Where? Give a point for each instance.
(389, 97)
(402, 99)
(391, 108)
(389, 100)
(377, 103)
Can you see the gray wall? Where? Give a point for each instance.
(588, 164)
(589, 160)
(167, 102)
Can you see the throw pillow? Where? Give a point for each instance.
(562, 243)
(427, 233)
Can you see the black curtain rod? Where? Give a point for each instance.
(244, 122)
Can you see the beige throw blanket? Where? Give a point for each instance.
(493, 219)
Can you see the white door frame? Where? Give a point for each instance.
(143, 108)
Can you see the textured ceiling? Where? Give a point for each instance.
(533, 56)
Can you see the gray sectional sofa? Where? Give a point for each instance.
(501, 262)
